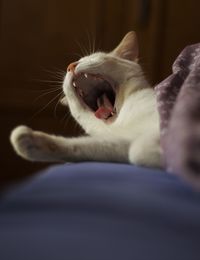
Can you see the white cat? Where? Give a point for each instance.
(109, 97)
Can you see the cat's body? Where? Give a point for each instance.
(109, 97)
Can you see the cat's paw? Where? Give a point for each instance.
(24, 143)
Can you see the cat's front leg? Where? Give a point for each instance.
(39, 146)
(32, 145)
(146, 151)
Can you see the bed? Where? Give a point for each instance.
(96, 211)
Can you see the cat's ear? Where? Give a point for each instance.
(128, 47)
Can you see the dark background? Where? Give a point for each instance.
(38, 39)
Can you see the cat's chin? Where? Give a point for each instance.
(96, 93)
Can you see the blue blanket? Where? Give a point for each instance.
(100, 211)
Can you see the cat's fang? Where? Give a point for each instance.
(74, 84)
(86, 75)
(81, 92)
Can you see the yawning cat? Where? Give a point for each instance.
(110, 98)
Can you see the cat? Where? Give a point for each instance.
(110, 98)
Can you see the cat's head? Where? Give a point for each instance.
(96, 85)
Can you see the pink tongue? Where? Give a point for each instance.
(103, 112)
(105, 107)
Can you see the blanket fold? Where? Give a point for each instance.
(178, 99)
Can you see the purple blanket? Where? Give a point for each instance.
(178, 99)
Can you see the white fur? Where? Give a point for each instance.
(137, 120)
(132, 136)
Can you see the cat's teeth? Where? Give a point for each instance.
(86, 75)
(112, 113)
(74, 84)
(81, 92)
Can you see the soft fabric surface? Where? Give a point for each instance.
(179, 107)
(99, 211)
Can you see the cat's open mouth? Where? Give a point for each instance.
(97, 93)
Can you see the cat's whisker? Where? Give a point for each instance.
(49, 81)
(93, 45)
(89, 42)
(67, 119)
(38, 112)
(44, 86)
(82, 49)
(65, 116)
(58, 102)
(55, 70)
(46, 93)
(56, 74)
(58, 70)
(86, 50)
(52, 88)
(78, 55)
(47, 89)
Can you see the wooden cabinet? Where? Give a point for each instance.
(39, 39)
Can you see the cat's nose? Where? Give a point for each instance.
(72, 66)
